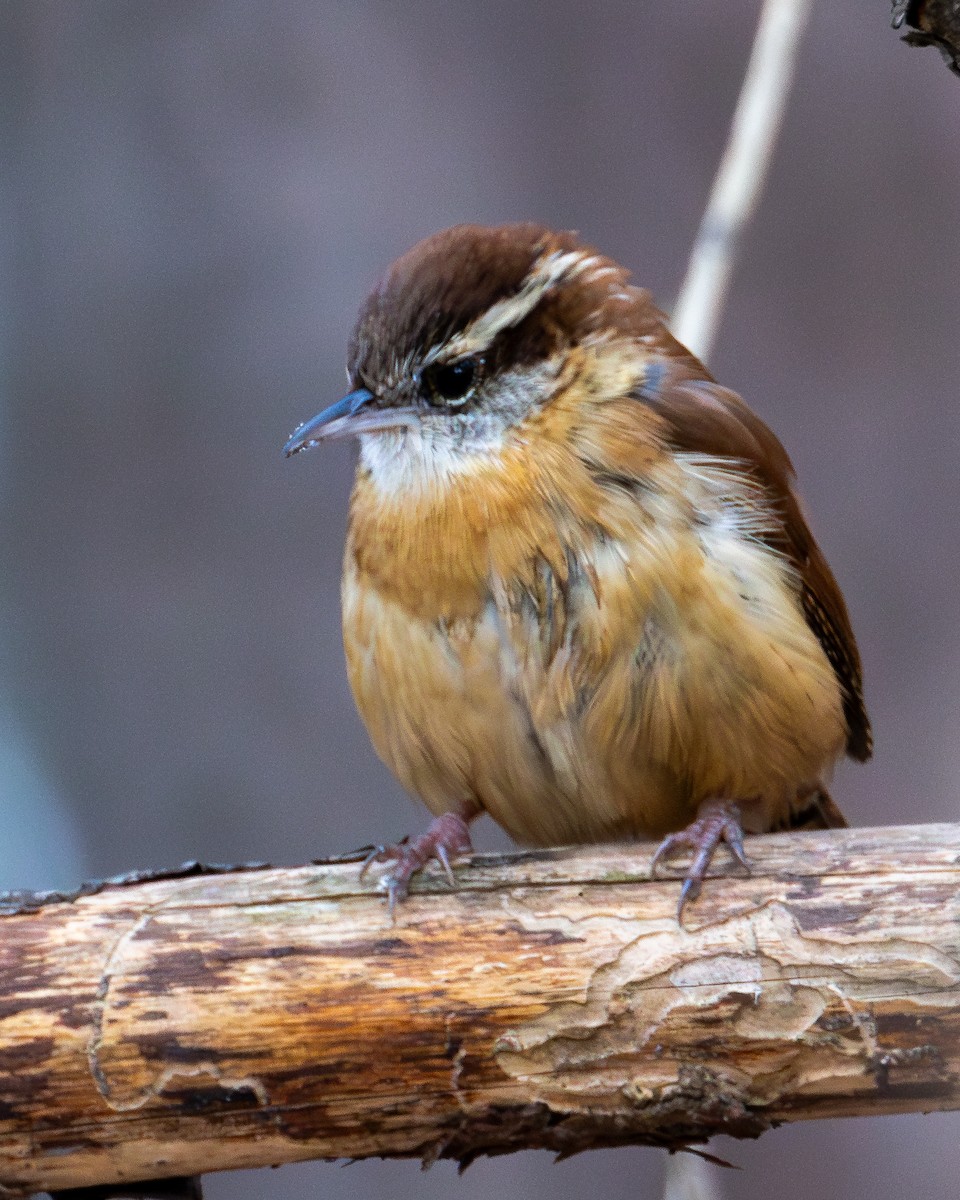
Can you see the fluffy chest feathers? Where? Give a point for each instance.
(581, 628)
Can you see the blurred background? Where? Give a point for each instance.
(194, 199)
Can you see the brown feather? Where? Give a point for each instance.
(706, 418)
(819, 812)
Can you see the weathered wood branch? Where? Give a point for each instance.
(224, 1021)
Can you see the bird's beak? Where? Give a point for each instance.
(354, 414)
(339, 420)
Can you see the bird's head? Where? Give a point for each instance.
(468, 335)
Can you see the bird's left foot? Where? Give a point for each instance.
(717, 821)
(446, 837)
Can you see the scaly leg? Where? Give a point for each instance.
(717, 821)
(446, 837)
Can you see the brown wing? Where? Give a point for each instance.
(819, 812)
(704, 418)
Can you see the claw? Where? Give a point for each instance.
(717, 821)
(444, 858)
(734, 839)
(376, 855)
(689, 891)
(396, 890)
(446, 837)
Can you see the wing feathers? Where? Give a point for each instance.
(703, 418)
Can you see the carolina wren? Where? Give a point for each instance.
(579, 591)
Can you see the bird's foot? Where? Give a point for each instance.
(446, 837)
(717, 821)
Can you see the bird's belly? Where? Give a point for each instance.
(717, 682)
(438, 703)
(621, 730)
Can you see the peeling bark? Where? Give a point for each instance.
(214, 1021)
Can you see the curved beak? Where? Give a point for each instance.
(339, 420)
(360, 412)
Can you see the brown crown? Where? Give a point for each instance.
(447, 281)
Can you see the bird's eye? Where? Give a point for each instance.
(451, 383)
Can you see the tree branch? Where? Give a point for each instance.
(742, 171)
(931, 23)
(196, 1024)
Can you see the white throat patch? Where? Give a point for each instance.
(441, 447)
(422, 460)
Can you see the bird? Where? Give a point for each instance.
(580, 593)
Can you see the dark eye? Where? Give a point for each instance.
(450, 383)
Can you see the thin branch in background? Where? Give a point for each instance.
(689, 1177)
(736, 189)
(743, 168)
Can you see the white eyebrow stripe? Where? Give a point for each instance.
(543, 277)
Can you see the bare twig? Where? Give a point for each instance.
(932, 23)
(742, 170)
(690, 1177)
(733, 198)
